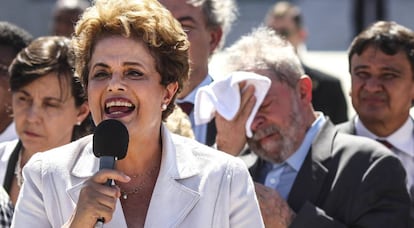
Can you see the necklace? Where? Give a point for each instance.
(18, 170)
(138, 189)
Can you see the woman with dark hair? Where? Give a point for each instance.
(49, 106)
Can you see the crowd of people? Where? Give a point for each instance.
(288, 157)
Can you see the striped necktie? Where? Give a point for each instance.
(385, 143)
(187, 107)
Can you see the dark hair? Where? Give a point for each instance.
(14, 36)
(387, 36)
(43, 56)
(218, 14)
(283, 9)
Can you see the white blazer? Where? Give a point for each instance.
(197, 186)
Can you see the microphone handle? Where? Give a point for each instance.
(105, 162)
(99, 223)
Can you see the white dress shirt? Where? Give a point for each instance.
(402, 141)
(289, 169)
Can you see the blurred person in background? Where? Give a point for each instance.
(327, 93)
(207, 23)
(65, 15)
(49, 106)
(12, 40)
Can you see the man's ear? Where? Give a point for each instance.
(303, 34)
(216, 34)
(305, 88)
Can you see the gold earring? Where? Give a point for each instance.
(164, 107)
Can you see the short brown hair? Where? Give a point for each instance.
(145, 20)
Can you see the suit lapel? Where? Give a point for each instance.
(171, 193)
(348, 127)
(178, 165)
(84, 166)
(312, 179)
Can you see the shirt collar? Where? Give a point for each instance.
(9, 133)
(295, 161)
(191, 96)
(402, 139)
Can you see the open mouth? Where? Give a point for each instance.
(117, 107)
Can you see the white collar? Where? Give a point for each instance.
(9, 133)
(191, 96)
(402, 139)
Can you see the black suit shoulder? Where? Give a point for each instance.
(346, 127)
(320, 76)
(354, 180)
(327, 95)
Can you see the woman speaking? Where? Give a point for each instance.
(132, 56)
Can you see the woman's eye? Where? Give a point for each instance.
(134, 73)
(51, 105)
(23, 99)
(100, 75)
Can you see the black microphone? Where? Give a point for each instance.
(110, 143)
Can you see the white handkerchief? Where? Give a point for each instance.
(223, 96)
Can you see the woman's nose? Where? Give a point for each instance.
(116, 83)
(33, 113)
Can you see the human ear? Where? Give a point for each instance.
(305, 88)
(171, 90)
(83, 112)
(215, 37)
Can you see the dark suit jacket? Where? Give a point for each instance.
(348, 181)
(327, 95)
(349, 128)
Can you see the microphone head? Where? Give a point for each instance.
(111, 138)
